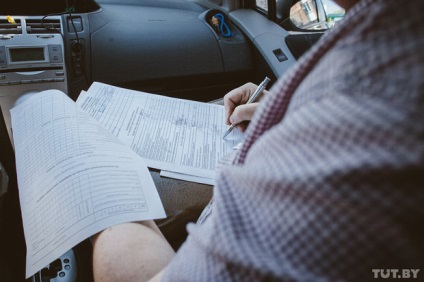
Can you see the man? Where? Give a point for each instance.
(329, 182)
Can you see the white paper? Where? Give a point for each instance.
(169, 134)
(186, 177)
(75, 178)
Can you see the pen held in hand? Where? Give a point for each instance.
(252, 99)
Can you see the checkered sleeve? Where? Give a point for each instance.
(334, 189)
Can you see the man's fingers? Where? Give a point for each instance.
(242, 126)
(237, 97)
(242, 113)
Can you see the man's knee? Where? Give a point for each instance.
(130, 252)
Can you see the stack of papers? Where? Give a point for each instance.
(77, 170)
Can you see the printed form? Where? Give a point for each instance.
(175, 135)
(75, 178)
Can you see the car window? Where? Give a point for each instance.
(333, 11)
(262, 5)
(305, 14)
(315, 14)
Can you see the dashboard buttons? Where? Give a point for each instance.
(77, 57)
(18, 82)
(3, 62)
(281, 57)
(55, 53)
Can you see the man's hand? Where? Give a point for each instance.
(236, 109)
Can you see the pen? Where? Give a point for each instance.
(252, 99)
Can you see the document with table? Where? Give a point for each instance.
(75, 178)
(180, 137)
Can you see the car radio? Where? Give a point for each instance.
(31, 60)
(23, 64)
(16, 57)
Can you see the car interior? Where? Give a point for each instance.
(189, 49)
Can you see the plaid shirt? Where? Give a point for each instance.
(329, 183)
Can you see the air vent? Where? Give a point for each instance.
(42, 27)
(8, 28)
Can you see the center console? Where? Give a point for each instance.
(31, 59)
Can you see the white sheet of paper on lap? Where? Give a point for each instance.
(75, 178)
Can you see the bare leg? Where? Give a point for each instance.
(130, 252)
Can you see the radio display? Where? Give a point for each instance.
(26, 54)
